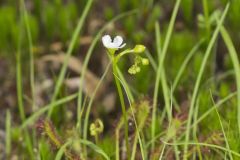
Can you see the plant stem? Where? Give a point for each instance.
(206, 16)
(120, 93)
(96, 139)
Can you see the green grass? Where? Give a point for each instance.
(235, 61)
(160, 67)
(26, 135)
(223, 131)
(31, 56)
(8, 134)
(174, 118)
(199, 77)
(69, 52)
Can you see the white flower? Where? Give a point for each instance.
(115, 44)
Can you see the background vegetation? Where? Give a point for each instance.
(184, 105)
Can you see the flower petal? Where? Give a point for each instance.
(107, 41)
(118, 40)
(123, 45)
(112, 46)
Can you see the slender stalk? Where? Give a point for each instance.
(206, 17)
(19, 75)
(26, 135)
(8, 134)
(195, 128)
(117, 141)
(19, 86)
(31, 55)
(120, 93)
(89, 106)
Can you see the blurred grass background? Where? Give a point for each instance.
(52, 24)
(52, 21)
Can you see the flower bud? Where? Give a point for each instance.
(145, 61)
(132, 70)
(139, 48)
(137, 69)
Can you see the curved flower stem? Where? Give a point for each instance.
(123, 53)
(120, 93)
(96, 139)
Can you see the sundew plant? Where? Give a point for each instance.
(112, 46)
(120, 80)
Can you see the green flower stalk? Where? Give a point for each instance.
(112, 46)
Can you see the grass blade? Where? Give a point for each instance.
(234, 57)
(151, 60)
(184, 64)
(86, 120)
(29, 36)
(199, 77)
(95, 148)
(44, 109)
(69, 52)
(8, 133)
(160, 65)
(221, 124)
(19, 79)
(217, 105)
(207, 145)
(61, 150)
